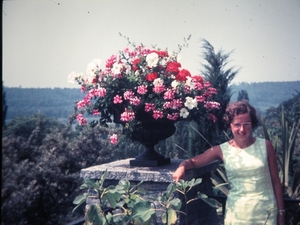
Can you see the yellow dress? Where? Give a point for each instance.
(251, 198)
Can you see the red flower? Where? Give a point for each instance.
(173, 68)
(135, 64)
(151, 76)
(198, 78)
(182, 75)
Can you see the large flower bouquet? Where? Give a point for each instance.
(147, 79)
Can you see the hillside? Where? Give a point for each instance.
(59, 102)
(267, 94)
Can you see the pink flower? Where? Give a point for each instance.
(114, 139)
(127, 116)
(158, 88)
(82, 88)
(149, 107)
(169, 94)
(176, 104)
(207, 84)
(142, 89)
(83, 103)
(128, 95)
(157, 114)
(111, 61)
(200, 98)
(91, 93)
(101, 92)
(81, 120)
(95, 112)
(135, 101)
(173, 116)
(118, 99)
(212, 105)
(167, 105)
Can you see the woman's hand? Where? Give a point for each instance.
(179, 173)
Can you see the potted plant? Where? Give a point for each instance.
(147, 91)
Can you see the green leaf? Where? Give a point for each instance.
(176, 203)
(79, 200)
(169, 217)
(94, 216)
(170, 190)
(143, 211)
(112, 198)
(89, 184)
(210, 201)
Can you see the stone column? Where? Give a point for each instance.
(156, 180)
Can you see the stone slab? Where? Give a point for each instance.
(121, 170)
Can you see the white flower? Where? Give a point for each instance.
(163, 62)
(93, 67)
(158, 82)
(189, 82)
(174, 84)
(117, 68)
(190, 102)
(152, 59)
(72, 77)
(184, 113)
(127, 69)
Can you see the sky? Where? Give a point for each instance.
(44, 41)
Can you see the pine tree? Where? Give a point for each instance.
(243, 95)
(217, 72)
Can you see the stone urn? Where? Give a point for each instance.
(149, 134)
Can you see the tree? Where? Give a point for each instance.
(4, 108)
(243, 95)
(217, 72)
(41, 168)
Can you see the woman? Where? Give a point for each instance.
(255, 195)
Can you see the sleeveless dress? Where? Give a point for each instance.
(251, 198)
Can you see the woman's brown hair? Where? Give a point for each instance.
(237, 108)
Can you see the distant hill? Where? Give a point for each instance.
(264, 95)
(59, 102)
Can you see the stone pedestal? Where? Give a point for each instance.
(156, 180)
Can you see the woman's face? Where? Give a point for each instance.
(241, 126)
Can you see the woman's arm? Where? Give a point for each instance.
(210, 155)
(276, 182)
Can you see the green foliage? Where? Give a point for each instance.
(52, 102)
(287, 138)
(243, 95)
(217, 72)
(125, 203)
(41, 168)
(23, 126)
(284, 143)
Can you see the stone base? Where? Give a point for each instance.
(156, 180)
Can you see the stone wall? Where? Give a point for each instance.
(156, 180)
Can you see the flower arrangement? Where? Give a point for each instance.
(148, 79)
